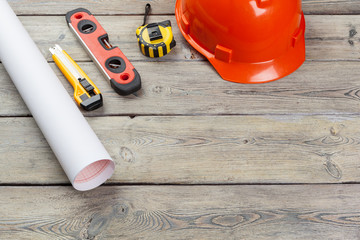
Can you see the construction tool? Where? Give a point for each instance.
(123, 77)
(155, 39)
(86, 94)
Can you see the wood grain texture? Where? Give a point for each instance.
(181, 212)
(112, 7)
(187, 126)
(198, 150)
(316, 88)
(331, 7)
(100, 7)
(327, 37)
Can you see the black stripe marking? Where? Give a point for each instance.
(156, 52)
(146, 50)
(164, 48)
(173, 43)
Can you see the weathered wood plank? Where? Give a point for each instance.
(104, 7)
(112, 7)
(327, 37)
(181, 212)
(332, 7)
(193, 150)
(190, 88)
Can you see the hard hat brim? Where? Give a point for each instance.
(264, 71)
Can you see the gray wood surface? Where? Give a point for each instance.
(316, 88)
(196, 157)
(199, 150)
(315, 212)
(327, 37)
(112, 7)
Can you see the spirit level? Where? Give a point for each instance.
(123, 77)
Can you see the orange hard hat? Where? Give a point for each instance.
(247, 41)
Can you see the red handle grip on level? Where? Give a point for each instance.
(123, 77)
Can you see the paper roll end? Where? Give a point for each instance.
(94, 175)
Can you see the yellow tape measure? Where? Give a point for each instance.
(155, 39)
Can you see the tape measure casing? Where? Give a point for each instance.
(156, 39)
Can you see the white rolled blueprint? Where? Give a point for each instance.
(79, 151)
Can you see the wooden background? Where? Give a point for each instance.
(197, 157)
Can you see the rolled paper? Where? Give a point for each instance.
(79, 151)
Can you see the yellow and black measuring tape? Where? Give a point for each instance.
(155, 39)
